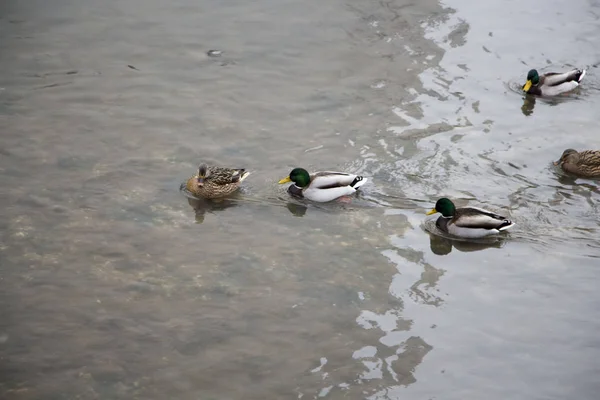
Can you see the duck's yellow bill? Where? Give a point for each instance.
(527, 86)
(433, 211)
(285, 180)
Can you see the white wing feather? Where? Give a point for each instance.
(324, 195)
(470, 233)
(329, 185)
(553, 86)
(555, 79)
(558, 89)
(467, 226)
(329, 178)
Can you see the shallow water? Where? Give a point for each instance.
(116, 285)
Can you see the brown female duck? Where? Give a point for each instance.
(583, 163)
(213, 182)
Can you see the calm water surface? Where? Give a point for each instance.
(115, 286)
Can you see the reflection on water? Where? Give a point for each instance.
(528, 105)
(297, 210)
(202, 206)
(393, 359)
(442, 246)
(573, 189)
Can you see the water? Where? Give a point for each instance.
(114, 286)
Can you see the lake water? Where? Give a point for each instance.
(114, 285)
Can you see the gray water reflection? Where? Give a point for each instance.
(528, 105)
(442, 246)
(500, 322)
(201, 206)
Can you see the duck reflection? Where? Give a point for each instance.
(529, 102)
(443, 245)
(569, 187)
(565, 179)
(528, 105)
(202, 206)
(297, 210)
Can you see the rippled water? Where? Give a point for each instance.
(115, 285)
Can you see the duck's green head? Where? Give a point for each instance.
(445, 207)
(533, 78)
(299, 176)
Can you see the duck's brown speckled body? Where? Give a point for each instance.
(212, 182)
(582, 163)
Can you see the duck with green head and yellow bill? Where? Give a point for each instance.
(322, 186)
(552, 83)
(585, 164)
(468, 222)
(211, 182)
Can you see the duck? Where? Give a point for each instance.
(468, 222)
(211, 182)
(322, 186)
(583, 163)
(552, 83)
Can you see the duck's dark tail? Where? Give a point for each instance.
(506, 224)
(358, 182)
(579, 74)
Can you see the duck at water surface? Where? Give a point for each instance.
(322, 186)
(586, 163)
(468, 222)
(211, 182)
(552, 83)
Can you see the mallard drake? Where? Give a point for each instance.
(468, 222)
(583, 163)
(213, 182)
(322, 186)
(552, 83)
